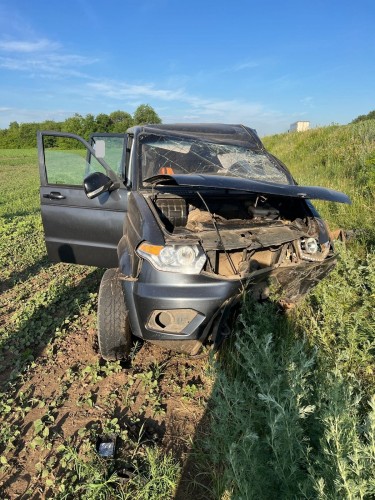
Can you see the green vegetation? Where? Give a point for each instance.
(361, 118)
(24, 135)
(289, 402)
(298, 390)
(56, 396)
(337, 157)
(298, 399)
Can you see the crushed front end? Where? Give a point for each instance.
(211, 222)
(215, 246)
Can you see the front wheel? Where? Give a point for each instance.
(114, 334)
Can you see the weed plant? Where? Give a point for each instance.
(302, 420)
(89, 477)
(293, 406)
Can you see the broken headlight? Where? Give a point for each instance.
(311, 249)
(185, 259)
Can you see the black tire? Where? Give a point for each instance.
(114, 334)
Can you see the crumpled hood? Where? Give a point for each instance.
(242, 184)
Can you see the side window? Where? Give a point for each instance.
(111, 150)
(65, 161)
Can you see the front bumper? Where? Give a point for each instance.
(195, 300)
(163, 291)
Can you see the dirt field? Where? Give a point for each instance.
(68, 395)
(56, 394)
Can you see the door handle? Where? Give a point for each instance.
(54, 195)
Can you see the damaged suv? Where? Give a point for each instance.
(187, 218)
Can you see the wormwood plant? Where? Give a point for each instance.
(297, 392)
(263, 389)
(339, 317)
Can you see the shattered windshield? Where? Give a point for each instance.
(174, 155)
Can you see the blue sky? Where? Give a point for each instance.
(264, 64)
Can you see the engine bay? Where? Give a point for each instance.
(241, 233)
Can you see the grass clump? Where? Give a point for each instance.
(264, 382)
(339, 317)
(152, 476)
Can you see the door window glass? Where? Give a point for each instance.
(66, 161)
(111, 150)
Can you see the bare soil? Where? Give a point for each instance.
(166, 413)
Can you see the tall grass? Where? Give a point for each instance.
(298, 400)
(293, 407)
(338, 157)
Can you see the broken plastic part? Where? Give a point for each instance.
(171, 320)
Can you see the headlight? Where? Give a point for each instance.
(310, 245)
(312, 250)
(186, 259)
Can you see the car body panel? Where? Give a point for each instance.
(238, 184)
(79, 230)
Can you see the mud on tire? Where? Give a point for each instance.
(114, 335)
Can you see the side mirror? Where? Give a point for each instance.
(96, 183)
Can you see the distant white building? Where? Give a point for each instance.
(299, 126)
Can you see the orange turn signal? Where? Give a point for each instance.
(150, 249)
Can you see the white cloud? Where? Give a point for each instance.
(45, 66)
(24, 115)
(245, 65)
(183, 106)
(120, 90)
(198, 105)
(27, 46)
(42, 58)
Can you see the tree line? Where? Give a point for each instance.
(23, 135)
(361, 118)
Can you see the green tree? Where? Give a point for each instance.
(361, 118)
(103, 123)
(145, 114)
(120, 121)
(50, 141)
(14, 126)
(10, 137)
(13, 136)
(24, 135)
(89, 126)
(51, 125)
(75, 124)
(27, 134)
